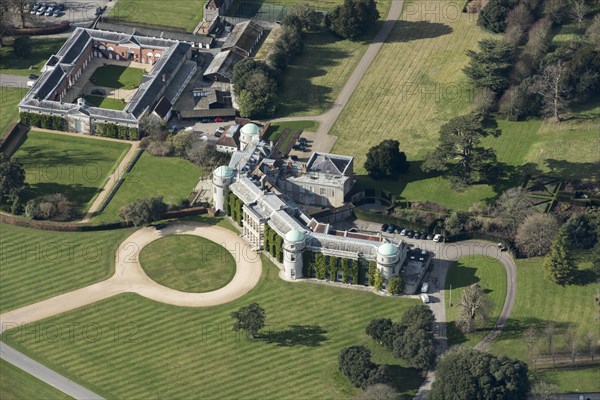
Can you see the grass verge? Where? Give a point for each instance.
(16, 384)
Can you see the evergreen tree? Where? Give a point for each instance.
(559, 265)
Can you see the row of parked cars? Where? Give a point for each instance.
(47, 9)
(410, 233)
(301, 145)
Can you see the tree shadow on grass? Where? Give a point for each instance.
(296, 335)
(585, 277)
(569, 170)
(404, 379)
(73, 192)
(461, 276)
(406, 31)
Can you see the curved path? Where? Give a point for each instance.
(452, 252)
(130, 277)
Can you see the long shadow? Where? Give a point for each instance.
(406, 31)
(461, 276)
(73, 192)
(570, 170)
(585, 277)
(297, 335)
(404, 379)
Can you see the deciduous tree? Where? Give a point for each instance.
(379, 391)
(386, 160)
(355, 362)
(593, 32)
(550, 86)
(144, 211)
(351, 19)
(250, 318)
(535, 234)
(474, 309)
(531, 338)
(579, 10)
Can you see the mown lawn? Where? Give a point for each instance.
(415, 85)
(15, 384)
(40, 264)
(41, 50)
(277, 128)
(105, 102)
(74, 166)
(313, 80)
(117, 76)
(488, 273)
(170, 177)
(9, 100)
(571, 380)
(181, 14)
(162, 351)
(540, 302)
(188, 263)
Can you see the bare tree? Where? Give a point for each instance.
(543, 390)
(572, 342)
(591, 344)
(593, 32)
(531, 338)
(550, 85)
(538, 40)
(536, 234)
(20, 7)
(474, 309)
(484, 100)
(550, 338)
(579, 10)
(512, 205)
(517, 21)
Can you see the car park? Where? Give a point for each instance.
(437, 238)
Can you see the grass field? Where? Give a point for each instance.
(9, 100)
(571, 380)
(40, 264)
(117, 76)
(488, 273)
(181, 14)
(74, 166)
(195, 353)
(540, 302)
(170, 177)
(313, 80)
(105, 102)
(15, 384)
(188, 263)
(41, 50)
(423, 88)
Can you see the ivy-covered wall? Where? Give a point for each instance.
(234, 208)
(43, 121)
(116, 131)
(273, 243)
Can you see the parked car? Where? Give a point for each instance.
(425, 287)
(403, 232)
(417, 235)
(429, 236)
(219, 119)
(294, 158)
(98, 11)
(98, 92)
(30, 84)
(159, 226)
(302, 140)
(410, 233)
(33, 77)
(56, 13)
(296, 147)
(41, 10)
(384, 227)
(398, 229)
(437, 238)
(501, 247)
(205, 120)
(61, 6)
(305, 150)
(175, 129)
(219, 131)
(49, 11)
(425, 298)
(35, 8)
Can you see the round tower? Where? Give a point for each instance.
(248, 133)
(387, 259)
(293, 246)
(221, 179)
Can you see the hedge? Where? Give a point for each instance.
(116, 131)
(45, 121)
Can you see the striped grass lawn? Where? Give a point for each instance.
(130, 347)
(15, 384)
(180, 14)
(188, 263)
(313, 80)
(41, 50)
(540, 302)
(74, 166)
(571, 380)
(9, 100)
(36, 264)
(488, 273)
(415, 85)
(171, 177)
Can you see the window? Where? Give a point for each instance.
(323, 192)
(293, 258)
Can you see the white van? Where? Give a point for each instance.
(437, 237)
(425, 287)
(424, 298)
(30, 84)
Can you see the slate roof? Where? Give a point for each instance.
(223, 64)
(163, 107)
(155, 33)
(328, 163)
(243, 36)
